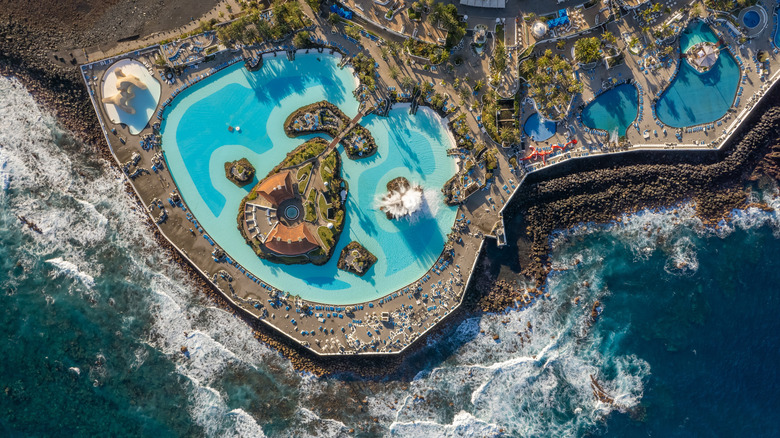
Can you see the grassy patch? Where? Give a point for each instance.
(328, 167)
(303, 177)
(311, 207)
(323, 207)
(500, 32)
(326, 235)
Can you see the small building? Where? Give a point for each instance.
(539, 29)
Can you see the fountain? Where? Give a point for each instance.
(402, 198)
(613, 136)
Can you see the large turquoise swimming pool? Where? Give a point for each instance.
(197, 143)
(613, 110)
(695, 98)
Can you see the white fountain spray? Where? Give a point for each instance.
(403, 201)
(613, 137)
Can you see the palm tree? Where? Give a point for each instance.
(394, 72)
(407, 83)
(394, 47)
(437, 13)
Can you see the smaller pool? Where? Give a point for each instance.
(614, 110)
(538, 128)
(291, 212)
(751, 19)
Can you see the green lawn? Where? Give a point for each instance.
(326, 235)
(311, 209)
(303, 177)
(323, 207)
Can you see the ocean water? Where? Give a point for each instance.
(685, 343)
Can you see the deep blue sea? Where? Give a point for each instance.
(93, 318)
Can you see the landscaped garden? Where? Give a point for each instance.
(551, 84)
(365, 67)
(499, 118)
(445, 16)
(433, 53)
(256, 26)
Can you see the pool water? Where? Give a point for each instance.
(695, 98)
(696, 32)
(614, 110)
(751, 19)
(777, 32)
(538, 128)
(197, 143)
(291, 212)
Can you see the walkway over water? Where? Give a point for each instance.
(344, 132)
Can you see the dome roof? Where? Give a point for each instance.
(539, 29)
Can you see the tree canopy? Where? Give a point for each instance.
(587, 50)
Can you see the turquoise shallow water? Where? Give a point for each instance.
(93, 319)
(197, 143)
(695, 98)
(613, 110)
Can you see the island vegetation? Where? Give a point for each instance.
(240, 172)
(324, 117)
(355, 258)
(319, 117)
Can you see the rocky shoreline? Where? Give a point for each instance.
(714, 182)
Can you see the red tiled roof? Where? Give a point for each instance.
(276, 188)
(293, 240)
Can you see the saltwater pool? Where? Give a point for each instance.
(777, 31)
(751, 19)
(197, 143)
(538, 128)
(695, 98)
(614, 110)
